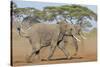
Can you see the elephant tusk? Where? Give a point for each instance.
(83, 37)
(76, 38)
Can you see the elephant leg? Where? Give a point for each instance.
(75, 44)
(52, 49)
(35, 52)
(62, 47)
(30, 56)
(38, 54)
(53, 46)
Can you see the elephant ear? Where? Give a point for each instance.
(63, 27)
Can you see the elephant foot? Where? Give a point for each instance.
(69, 57)
(75, 54)
(49, 58)
(29, 61)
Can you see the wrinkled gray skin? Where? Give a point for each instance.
(42, 35)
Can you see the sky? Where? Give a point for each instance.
(40, 5)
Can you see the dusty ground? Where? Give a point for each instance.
(21, 49)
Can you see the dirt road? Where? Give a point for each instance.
(21, 49)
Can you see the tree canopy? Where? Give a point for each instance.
(75, 14)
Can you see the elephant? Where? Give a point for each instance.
(42, 35)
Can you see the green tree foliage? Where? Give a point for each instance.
(52, 13)
(69, 13)
(25, 11)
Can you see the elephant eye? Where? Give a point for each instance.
(18, 29)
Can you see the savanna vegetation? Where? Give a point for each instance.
(74, 14)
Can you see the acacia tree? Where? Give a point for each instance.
(78, 13)
(51, 13)
(70, 13)
(40, 15)
(24, 11)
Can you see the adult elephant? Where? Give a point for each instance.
(42, 35)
